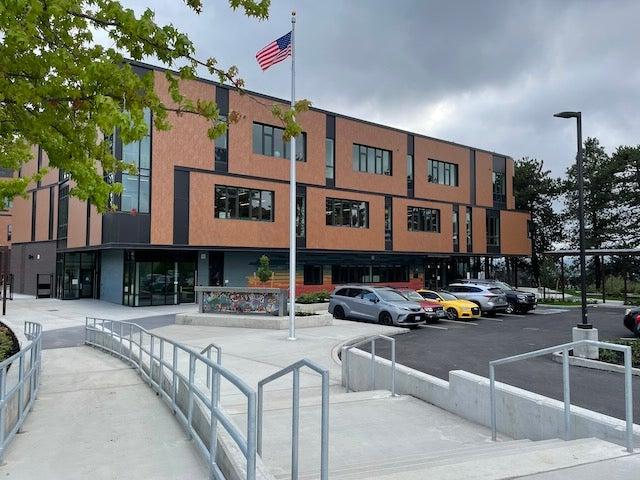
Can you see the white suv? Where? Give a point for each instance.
(490, 299)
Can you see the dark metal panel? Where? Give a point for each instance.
(122, 227)
(331, 126)
(33, 215)
(181, 207)
(222, 99)
(52, 196)
(410, 144)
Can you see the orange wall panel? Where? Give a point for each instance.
(405, 240)
(21, 219)
(425, 149)
(484, 179)
(241, 157)
(513, 233)
(77, 232)
(349, 132)
(205, 229)
(329, 237)
(479, 228)
(95, 234)
(5, 221)
(42, 215)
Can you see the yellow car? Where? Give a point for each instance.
(456, 308)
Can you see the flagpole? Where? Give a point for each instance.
(292, 195)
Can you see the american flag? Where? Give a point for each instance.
(275, 52)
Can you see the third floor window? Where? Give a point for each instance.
(371, 160)
(347, 213)
(267, 140)
(499, 187)
(420, 219)
(443, 173)
(243, 203)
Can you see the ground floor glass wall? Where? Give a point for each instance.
(76, 275)
(158, 278)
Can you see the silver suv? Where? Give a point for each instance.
(489, 298)
(379, 304)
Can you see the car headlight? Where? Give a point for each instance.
(406, 309)
(627, 311)
(428, 309)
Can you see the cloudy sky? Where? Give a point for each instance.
(483, 73)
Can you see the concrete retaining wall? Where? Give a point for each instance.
(269, 322)
(520, 414)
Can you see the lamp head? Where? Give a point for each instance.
(567, 115)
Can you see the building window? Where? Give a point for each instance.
(493, 230)
(329, 159)
(301, 215)
(499, 187)
(267, 140)
(347, 213)
(9, 232)
(371, 160)
(410, 171)
(221, 143)
(63, 212)
(388, 228)
(442, 173)
(313, 275)
(341, 274)
(420, 219)
(244, 203)
(6, 203)
(456, 227)
(135, 187)
(469, 229)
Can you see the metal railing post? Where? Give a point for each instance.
(372, 374)
(130, 341)
(3, 408)
(295, 424)
(20, 387)
(492, 398)
(324, 442)
(628, 398)
(393, 367)
(345, 359)
(192, 371)
(566, 393)
(209, 371)
(174, 368)
(251, 436)
(153, 383)
(259, 419)
(213, 437)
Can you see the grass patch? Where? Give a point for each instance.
(565, 303)
(617, 358)
(9, 344)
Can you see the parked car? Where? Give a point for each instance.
(632, 320)
(518, 301)
(491, 300)
(379, 304)
(454, 307)
(433, 309)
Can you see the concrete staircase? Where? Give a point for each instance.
(375, 435)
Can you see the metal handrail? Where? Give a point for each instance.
(372, 376)
(127, 341)
(295, 423)
(565, 347)
(30, 377)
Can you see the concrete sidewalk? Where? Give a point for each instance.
(95, 418)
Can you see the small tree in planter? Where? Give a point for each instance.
(264, 273)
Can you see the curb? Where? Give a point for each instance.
(594, 364)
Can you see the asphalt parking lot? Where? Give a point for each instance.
(438, 348)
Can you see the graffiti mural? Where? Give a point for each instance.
(263, 302)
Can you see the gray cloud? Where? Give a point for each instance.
(484, 73)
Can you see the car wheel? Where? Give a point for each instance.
(511, 308)
(385, 319)
(338, 313)
(452, 313)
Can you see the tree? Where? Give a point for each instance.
(264, 272)
(65, 92)
(628, 194)
(602, 207)
(535, 191)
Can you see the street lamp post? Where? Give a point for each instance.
(584, 324)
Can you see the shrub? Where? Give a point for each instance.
(9, 344)
(264, 273)
(613, 356)
(316, 297)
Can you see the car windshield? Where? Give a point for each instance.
(390, 296)
(411, 295)
(504, 286)
(447, 296)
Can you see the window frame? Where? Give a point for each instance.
(440, 172)
(310, 272)
(375, 160)
(423, 219)
(233, 193)
(337, 209)
(273, 134)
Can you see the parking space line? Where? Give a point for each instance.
(435, 326)
(493, 319)
(462, 322)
